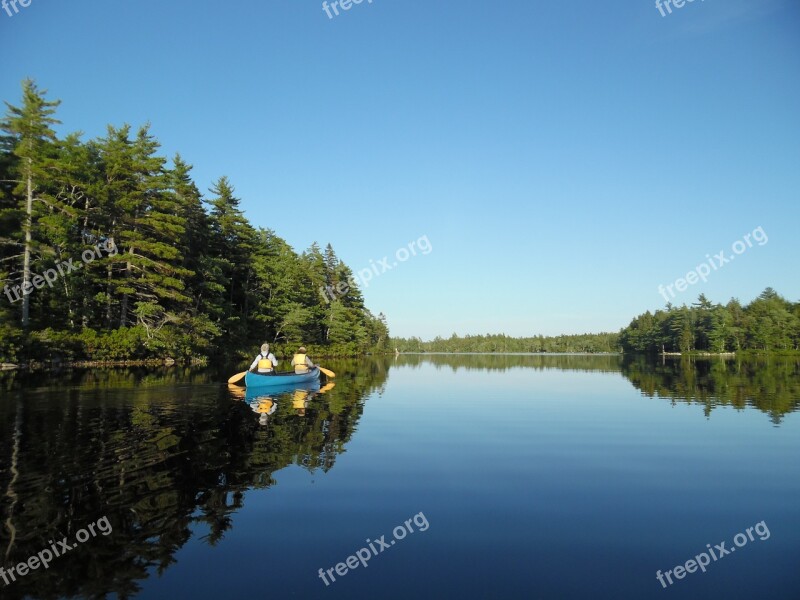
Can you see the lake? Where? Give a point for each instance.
(418, 476)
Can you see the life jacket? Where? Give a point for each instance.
(299, 362)
(264, 365)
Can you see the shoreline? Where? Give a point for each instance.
(204, 361)
(98, 364)
(701, 353)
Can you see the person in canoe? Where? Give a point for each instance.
(265, 362)
(301, 362)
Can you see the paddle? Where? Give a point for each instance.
(238, 377)
(330, 374)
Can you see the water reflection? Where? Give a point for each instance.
(606, 363)
(167, 452)
(265, 404)
(159, 455)
(770, 384)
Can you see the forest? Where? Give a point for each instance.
(770, 323)
(109, 251)
(588, 342)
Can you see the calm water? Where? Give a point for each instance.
(520, 477)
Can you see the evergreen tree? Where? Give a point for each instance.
(31, 127)
(769, 323)
(234, 244)
(147, 224)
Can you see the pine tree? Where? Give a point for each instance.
(233, 244)
(203, 286)
(146, 222)
(31, 126)
(68, 229)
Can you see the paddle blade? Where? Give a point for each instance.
(327, 372)
(238, 377)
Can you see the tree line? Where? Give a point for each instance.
(175, 273)
(770, 323)
(587, 342)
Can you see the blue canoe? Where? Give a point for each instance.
(254, 380)
(252, 395)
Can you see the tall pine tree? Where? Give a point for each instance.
(30, 125)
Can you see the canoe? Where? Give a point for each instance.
(254, 380)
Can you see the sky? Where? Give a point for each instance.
(557, 161)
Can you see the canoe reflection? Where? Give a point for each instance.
(266, 404)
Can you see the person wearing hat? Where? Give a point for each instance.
(265, 361)
(301, 362)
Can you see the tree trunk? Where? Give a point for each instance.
(26, 261)
(68, 296)
(123, 315)
(108, 296)
(109, 274)
(84, 308)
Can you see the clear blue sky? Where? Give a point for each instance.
(563, 158)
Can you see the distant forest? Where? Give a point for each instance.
(768, 324)
(589, 342)
(122, 257)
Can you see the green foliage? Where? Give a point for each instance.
(176, 278)
(117, 344)
(11, 343)
(589, 342)
(31, 151)
(768, 324)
